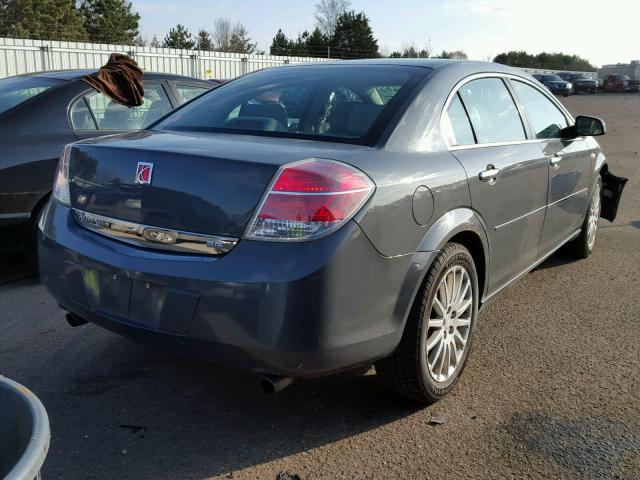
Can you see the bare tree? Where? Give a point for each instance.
(231, 37)
(222, 33)
(327, 14)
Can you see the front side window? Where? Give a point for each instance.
(493, 113)
(112, 116)
(457, 128)
(16, 90)
(336, 103)
(546, 119)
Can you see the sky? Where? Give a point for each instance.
(482, 28)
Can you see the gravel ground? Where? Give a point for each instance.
(551, 391)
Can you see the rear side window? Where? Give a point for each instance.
(457, 128)
(493, 113)
(189, 92)
(112, 116)
(547, 120)
(17, 90)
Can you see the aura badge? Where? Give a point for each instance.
(143, 173)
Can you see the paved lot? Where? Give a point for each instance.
(552, 389)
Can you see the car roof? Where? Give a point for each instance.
(468, 66)
(73, 75)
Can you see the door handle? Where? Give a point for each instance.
(555, 161)
(489, 175)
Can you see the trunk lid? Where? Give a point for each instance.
(200, 183)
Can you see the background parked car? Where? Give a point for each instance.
(581, 82)
(555, 84)
(42, 112)
(620, 83)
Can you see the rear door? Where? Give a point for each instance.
(571, 163)
(507, 176)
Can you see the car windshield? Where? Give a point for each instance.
(579, 76)
(16, 90)
(325, 102)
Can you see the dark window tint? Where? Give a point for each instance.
(332, 102)
(547, 119)
(493, 114)
(457, 128)
(189, 92)
(16, 90)
(112, 116)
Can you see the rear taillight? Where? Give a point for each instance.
(309, 199)
(61, 184)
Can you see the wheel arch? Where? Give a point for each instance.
(463, 226)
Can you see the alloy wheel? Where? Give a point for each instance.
(450, 319)
(594, 215)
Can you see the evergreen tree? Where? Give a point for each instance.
(281, 45)
(42, 20)
(204, 40)
(307, 44)
(552, 61)
(110, 21)
(179, 37)
(240, 41)
(155, 42)
(455, 54)
(353, 37)
(317, 43)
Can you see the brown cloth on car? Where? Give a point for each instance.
(120, 79)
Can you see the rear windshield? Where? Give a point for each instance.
(16, 90)
(335, 103)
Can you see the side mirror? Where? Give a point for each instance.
(589, 126)
(584, 127)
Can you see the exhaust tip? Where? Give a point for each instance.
(74, 320)
(273, 384)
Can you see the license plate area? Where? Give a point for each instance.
(145, 304)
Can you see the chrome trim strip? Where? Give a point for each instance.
(520, 217)
(539, 209)
(502, 75)
(148, 236)
(568, 196)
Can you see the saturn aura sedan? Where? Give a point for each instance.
(310, 219)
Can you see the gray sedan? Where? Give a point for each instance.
(305, 220)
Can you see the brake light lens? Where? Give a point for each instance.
(309, 199)
(61, 185)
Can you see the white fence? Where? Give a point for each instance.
(19, 56)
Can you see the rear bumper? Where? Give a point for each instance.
(301, 309)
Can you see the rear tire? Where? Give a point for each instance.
(439, 332)
(583, 245)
